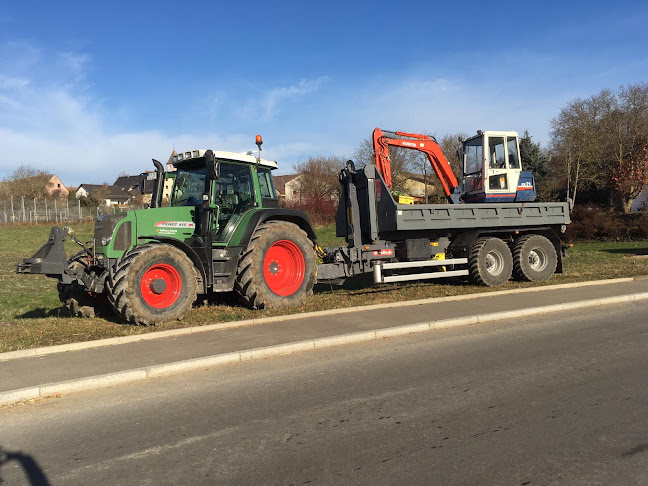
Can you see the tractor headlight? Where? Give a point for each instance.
(105, 241)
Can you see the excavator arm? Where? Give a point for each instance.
(414, 141)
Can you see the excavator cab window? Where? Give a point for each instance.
(473, 160)
(513, 156)
(497, 154)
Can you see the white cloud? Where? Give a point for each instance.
(51, 123)
(267, 105)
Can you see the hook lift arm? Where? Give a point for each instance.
(414, 141)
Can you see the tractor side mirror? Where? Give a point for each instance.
(212, 166)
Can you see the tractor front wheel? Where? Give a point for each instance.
(278, 268)
(152, 283)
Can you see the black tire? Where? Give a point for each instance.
(171, 288)
(490, 262)
(76, 298)
(534, 259)
(78, 301)
(285, 282)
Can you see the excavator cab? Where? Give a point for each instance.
(492, 171)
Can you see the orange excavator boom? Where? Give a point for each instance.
(414, 141)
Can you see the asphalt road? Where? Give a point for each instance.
(553, 400)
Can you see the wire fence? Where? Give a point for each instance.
(22, 210)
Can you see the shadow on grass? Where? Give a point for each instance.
(63, 313)
(364, 285)
(627, 251)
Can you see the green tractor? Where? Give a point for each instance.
(223, 231)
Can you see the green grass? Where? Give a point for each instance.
(31, 314)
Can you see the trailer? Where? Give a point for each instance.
(225, 232)
(487, 243)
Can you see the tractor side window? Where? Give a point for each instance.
(234, 196)
(189, 187)
(514, 159)
(496, 153)
(266, 185)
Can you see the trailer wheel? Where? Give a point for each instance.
(278, 268)
(152, 283)
(490, 262)
(534, 259)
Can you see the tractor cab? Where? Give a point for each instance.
(492, 171)
(223, 184)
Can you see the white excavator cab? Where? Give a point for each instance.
(492, 171)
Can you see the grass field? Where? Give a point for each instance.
(31, 314)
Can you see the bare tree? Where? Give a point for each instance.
(401, 161)
(319, 177)
(26, 181)
(600, 143)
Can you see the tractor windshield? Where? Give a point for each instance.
(189, 187)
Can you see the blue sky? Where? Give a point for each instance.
(92, 89)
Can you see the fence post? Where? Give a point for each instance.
(80, 214)
(22, 202)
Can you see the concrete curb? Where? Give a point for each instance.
(62, 348)
(129, 376)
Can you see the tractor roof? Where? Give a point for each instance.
(248, 158)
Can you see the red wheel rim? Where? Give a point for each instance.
(161, 285)
(284, 268)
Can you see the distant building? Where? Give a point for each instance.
(131, 186)
(132, 183)
(287, 187)
(415, 186)
(111, 195)
(54, 187)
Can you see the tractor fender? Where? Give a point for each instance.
(296, 216)
(189, 251)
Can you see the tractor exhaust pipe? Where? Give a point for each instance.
(156, 197)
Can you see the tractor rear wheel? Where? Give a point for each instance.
(534, 259)
(152, 283)
(490, 262)
(278, 268)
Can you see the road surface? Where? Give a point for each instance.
(552, 400)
